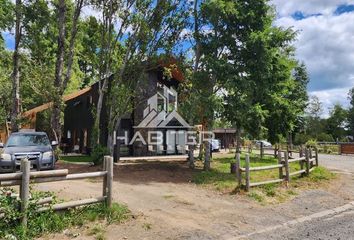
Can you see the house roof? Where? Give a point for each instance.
(224, 130)
(48, 105)
(175, 71)
(170, 62)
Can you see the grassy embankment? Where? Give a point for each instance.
(219, 178)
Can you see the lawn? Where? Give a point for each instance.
(77, 159)
(220, 178)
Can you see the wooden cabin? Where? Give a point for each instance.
(155, 108)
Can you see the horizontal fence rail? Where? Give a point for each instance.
(25, 177)
(308, 160)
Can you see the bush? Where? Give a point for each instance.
(330, 149)
(98, 153)
(301, 138)
(324, 137)
(311, 143)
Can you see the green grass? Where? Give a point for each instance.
(147, 226)
(77, 159)
(256, 197)
(220, 178)
(48, 222)
(98, 231)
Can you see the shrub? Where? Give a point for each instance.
(98, 153)
(324, 137)
(301, 138)
(311, 143)
(330, 149)
(320, 174)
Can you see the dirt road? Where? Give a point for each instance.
(166, 205)
(342, 163)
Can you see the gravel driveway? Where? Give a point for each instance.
(166, 205)
(343, 163)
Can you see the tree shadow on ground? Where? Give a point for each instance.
(142, 172)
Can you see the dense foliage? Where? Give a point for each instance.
(241, 71)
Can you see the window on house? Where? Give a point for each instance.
(160, 103)
(172, 102)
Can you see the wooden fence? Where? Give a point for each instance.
(25, 177)
(346, 148)
(307, 160)
(272, 151)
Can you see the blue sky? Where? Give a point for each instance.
(325, 43)
(9, 40)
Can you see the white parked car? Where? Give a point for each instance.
(265, 143)
(215, 145)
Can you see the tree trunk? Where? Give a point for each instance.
(207, 156)
(99, 107)
(16, 70)
(72, 43)
(207, 151)
(105, 67)
(238, 140)
(58, 80)
(111, 135)
(290, 140)
(196, 36)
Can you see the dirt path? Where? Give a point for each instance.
(166, 205)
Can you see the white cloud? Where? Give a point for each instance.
(325, 7)
(325, 44)
(89, 10)
(330, 97)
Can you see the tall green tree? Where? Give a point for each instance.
(337, 122)
(288, 102)
(5, 82)
(6, 15)
(147, 29)
(252, 62)
(314, 125)
(16, 67)
(63, 72)
(6, 23)
(351, 112)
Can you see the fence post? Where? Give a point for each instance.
(109, 177)
(340, 149)
(191, 156)
(261, 150)
(307, 157)
(24, 193)
(238, 170)
(105, 163)
(316, 156)
(281, 176)
(301, 154)
(286, 165)
(247, 168)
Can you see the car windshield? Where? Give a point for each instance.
(27, 140)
